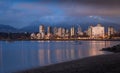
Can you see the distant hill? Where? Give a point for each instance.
(7, 28)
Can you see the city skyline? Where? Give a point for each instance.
(93, 32)
(23, 12)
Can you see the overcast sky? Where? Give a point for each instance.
(20, 13)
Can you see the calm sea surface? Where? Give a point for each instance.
(22, 55)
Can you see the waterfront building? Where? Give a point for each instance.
(39, 36)
(42, 35)
(49, 32)
(72, 31)
(41, 29)
(49, 29)
(63, 32)
(55, 30)
(96, 31)
(89, 32)
(111, 31)
(67, 31)
(79, 31)
(59, 32)
(33, 36)
(66, 36)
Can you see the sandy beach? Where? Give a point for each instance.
(97, 64)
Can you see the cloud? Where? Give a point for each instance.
(44, 9)
(84, 10)
(24, 12)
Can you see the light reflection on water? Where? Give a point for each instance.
(20, 55)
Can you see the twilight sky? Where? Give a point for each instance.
(20, 13)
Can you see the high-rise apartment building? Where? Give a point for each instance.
(59, 33)
(80, 31)
(55, 30)
(72, 31)
(49, 29)
(96, 31)
(42, 31)
(111, 31)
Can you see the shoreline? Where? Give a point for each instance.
(109, 63)
(60, 40)
(114, 49)
(106, 63)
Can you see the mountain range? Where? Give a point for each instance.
(7, 28)
(84, 23)
(35, 27)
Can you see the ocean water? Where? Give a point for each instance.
(22, 55)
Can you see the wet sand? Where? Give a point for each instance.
(109, 63)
